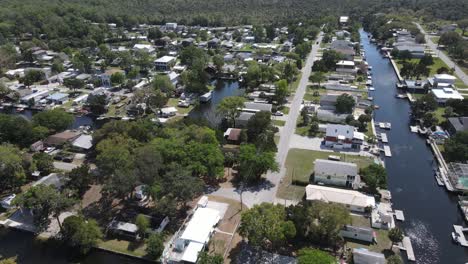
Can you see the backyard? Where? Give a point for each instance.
(383, 242)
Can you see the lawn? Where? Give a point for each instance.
(369, 131)
(279, 122)
(123, 246)
(114, 110)
(284, 109)
(181, 110)
(383, 242)
(300, 165)
(295, 84)
(439, 114)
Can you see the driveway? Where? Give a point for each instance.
(458, 71)
(267, 192)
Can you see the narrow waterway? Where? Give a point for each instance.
(429, 210)
(207, 111)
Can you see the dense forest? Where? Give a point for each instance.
(67, 22)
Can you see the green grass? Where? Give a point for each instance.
(369, 131)
(439, 114)
(181, 110)
(295, 84)
(123, 246)
(300, 165)
(383, 242)
(247, 47)
(284, 109)
(277, 139)
(279, 122)
(114, 111)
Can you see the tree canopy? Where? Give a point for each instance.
(12, 172)
(345, 104)
(55, 120)
(266, 225)
(81, 233)
(314, 256)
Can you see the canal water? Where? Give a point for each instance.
(207, 111)
(430, 211)
(29, 251)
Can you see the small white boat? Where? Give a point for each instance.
(206, 97)
(455, 238)
(388, 125)
(371, 89)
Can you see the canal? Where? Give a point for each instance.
(430, 211)
(207, 111)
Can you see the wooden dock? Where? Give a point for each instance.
(408, 248)
(461, 239)
(399, 215)
(387, 151)
(384, 137)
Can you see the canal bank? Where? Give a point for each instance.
(429, 210)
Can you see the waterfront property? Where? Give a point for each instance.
(343, 137)
(353, 200)
(330, 172)
(358, 233)
(365, 256)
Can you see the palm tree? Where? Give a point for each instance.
(395, 235)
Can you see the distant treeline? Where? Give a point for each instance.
(64, 18)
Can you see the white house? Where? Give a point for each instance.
(197, 233)
(364, 256)
(353, 200)
(337, 173)
(358, 233)
(344, 20)
(444, 94)
(144, 47)
(164, 63)
(171, 26)
(343, 137)
(344, 66)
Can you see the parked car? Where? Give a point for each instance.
(278, 113)
(49, 150)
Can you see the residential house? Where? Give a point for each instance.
(344, 20)
(106, 76)
(359, 233)
(343, 137)
(328, 115)
(458, 124)
(232, 135)
(61, 138)
(164, 63)
(287, 46)
(345, 66)
(416, 50)
(353, 200)
(252, 107)
(243, 118)
(83, 142)
(196, 234)
(171, 26)
(365, 256)
(57, 98)
(213, 43)
(330, 172)
(144, 47)
(445, 94)
(344, 47)
(442, 81)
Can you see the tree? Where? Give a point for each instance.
(443, 69)
(345, 104)
(44, 201)
(422, 105)
(317, 77)
(463, 25)
(252, 163)
(456, 147)
(448, 111)
(44, 162)
(163, 84)
(12, 173)
(218, 61)
(314, 128)
(375, 176)
(395, 235)
(426, 60)
(33, 76)
(114, 154)
(266, 225)
(230, 107)
(450, 38)
(80, 233)
(394, 259)
(429, 119)
(314, 256)
(143, 223)
(281, 92)
(303, 49)
(11, 260)
(117, 78)
(155, 246)
(55, 120)
(319, 222)
(205, 258)
(79, 179)
(57, 67)
(97, 104)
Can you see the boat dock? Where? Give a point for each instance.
(399, 215)
(459, 231)
(442, 167)
(387, 151)
(414, 129)
(408, 247)
(384, 137)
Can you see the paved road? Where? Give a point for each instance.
(267, 192)
(458, 71)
